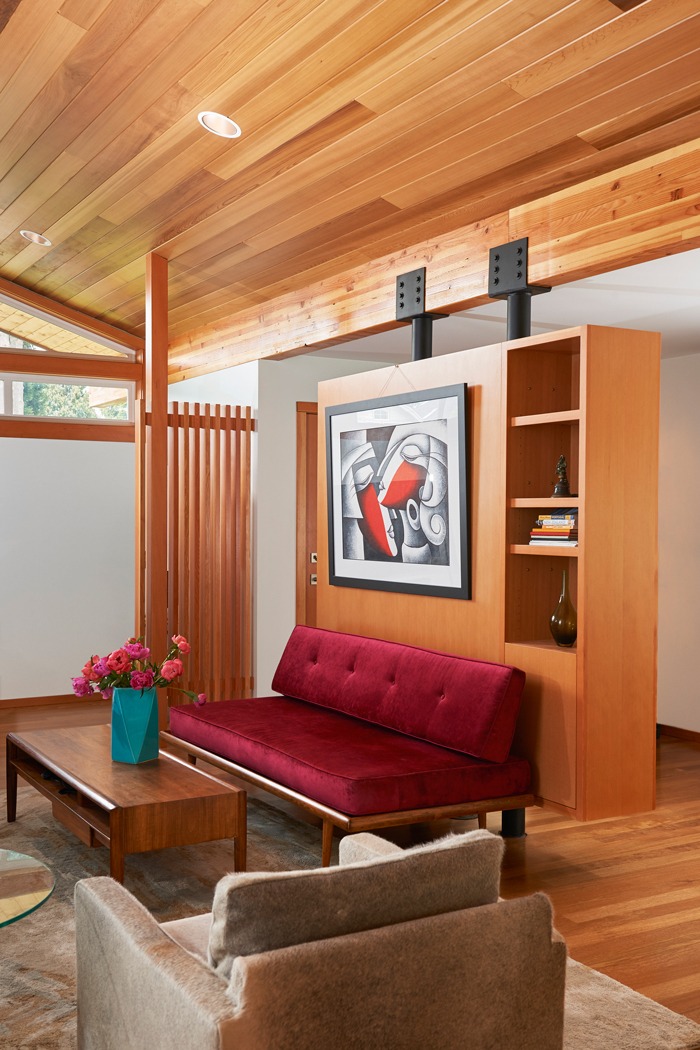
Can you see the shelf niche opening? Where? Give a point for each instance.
(534, 584)
(545, 378)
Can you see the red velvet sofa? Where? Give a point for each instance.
(370, 734)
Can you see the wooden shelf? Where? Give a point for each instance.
(544, 502)
(540, 418)
(549, 644)
(76, 805)
(540, 549)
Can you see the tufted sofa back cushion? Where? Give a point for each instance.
(468, 705)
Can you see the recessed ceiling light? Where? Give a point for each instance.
(37, 238)
(218, 124)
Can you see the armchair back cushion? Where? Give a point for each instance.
(257, 912)
(467, 705)
(486, 978)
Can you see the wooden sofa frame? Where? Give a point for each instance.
(330, 818)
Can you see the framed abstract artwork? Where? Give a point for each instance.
(398, 485)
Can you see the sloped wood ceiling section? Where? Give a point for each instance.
(367, 126)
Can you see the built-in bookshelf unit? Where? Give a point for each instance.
(588, 716)
(589, 711)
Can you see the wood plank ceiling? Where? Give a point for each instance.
(367, 125)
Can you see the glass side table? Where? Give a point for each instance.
(25, 883)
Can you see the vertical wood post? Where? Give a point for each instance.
(139, 510)
(155, 495)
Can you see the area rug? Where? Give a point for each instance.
(37, 953)
(602, 1014)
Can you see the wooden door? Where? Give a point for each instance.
(307, 467)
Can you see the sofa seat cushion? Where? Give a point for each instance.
(350, 765)
(469, 705)
(191, 933)
(263, 911)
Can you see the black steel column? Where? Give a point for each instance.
(519, 317)
(421, 337)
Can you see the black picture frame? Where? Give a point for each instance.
(398, 493)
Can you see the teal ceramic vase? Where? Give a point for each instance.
(134, 725)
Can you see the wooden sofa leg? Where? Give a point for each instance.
(513, 823)
(327, 844)
(482, 819)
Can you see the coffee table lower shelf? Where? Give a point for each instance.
(81, 816)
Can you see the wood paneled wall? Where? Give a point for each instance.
(475, 627)
(587, 722)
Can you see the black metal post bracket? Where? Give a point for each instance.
(410, 309)
(508, 280)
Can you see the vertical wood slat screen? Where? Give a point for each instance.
(209, 546)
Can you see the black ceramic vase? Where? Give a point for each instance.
(562, 622)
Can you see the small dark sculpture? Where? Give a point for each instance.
(562, 486)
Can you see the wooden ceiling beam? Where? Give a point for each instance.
(643, 211)
(42, 306)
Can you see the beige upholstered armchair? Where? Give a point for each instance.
(391, 949)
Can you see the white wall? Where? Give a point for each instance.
(230, 386)
(66, 559)
(281, 385)
(273, 389)
(67, 548)
(679, 543)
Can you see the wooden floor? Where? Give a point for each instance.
(626, 892)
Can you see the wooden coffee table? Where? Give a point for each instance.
(128, 808)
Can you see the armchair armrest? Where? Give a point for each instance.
(136, 986)
(365, 846)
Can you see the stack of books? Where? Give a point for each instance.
(556, 530)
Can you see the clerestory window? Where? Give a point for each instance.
(62, 397)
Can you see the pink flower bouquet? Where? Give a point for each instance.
(131, 668)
